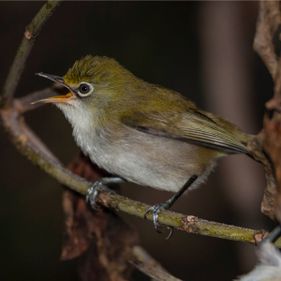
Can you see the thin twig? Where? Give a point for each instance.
(145, 263)
(26, 104)
(32, 30)
(22, 137)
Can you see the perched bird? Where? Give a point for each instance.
(141, 132)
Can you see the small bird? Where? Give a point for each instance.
(141, 132)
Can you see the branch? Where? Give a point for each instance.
(146, 264)
(26, 104)
(267, 24)
(31, 32)
(30, 146)
(267, 45)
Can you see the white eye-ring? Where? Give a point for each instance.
(85, 89)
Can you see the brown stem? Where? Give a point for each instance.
(267, 24)
(145, 263)
(32, 30)
(267, 45)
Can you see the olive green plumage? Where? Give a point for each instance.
(98, 70)
(154, 109)
(139, 131)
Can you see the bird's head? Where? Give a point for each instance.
(92, 83)
(89, 79)
(95, 86)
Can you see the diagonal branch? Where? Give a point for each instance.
(145, 263)
(30, 34)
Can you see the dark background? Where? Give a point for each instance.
(203, 50)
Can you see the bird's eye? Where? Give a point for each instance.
(85, 89)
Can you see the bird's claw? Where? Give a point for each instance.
(92, 193)
(155, 210)
(100, 185)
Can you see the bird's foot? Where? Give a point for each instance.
(97, 187)
(155, 210)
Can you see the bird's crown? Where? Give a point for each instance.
(96, 69)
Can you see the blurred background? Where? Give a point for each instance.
(201, 49)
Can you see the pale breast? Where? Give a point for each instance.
(148, 160)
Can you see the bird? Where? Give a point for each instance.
(141, 132)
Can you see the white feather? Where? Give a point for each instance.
(269, 266)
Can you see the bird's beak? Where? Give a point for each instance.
(56, 99)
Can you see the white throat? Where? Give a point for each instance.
(82, 122)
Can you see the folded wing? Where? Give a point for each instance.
(192, 126)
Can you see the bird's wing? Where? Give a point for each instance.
(192, 126)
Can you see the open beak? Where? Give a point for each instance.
(56, 99)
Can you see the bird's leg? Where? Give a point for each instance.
(155, 209)
(273, 235)
(100, 185)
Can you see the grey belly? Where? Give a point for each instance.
(160, 163)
